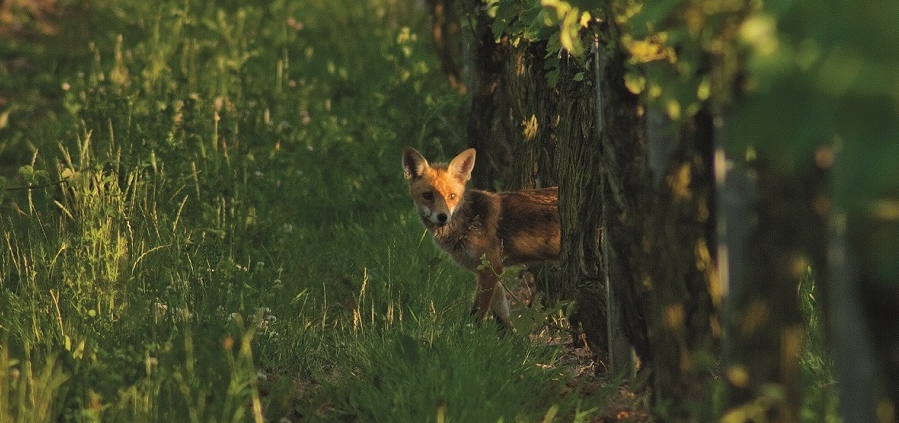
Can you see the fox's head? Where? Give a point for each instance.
(437, 190)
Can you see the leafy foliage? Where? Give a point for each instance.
(806, 75)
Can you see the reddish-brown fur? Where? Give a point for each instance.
(506, 228)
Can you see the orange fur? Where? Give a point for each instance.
(506, 228)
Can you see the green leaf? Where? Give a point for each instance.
(67, 174)
(27, 173)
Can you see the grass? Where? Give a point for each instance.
(820, 401)
(217, 228)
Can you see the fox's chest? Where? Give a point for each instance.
(465, 247)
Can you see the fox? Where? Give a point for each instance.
(483, 231)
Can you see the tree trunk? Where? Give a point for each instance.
(533, 109)
(446, 31)
(864, 312)
(784, 237)
(580, 207)
(488, 122)
(661, 242)
(625, 200)
(682, 315)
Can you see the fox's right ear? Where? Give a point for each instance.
(414, 164)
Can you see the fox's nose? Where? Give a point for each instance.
(441, 217)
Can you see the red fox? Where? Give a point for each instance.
(507, 228)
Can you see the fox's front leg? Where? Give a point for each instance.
(490, 296)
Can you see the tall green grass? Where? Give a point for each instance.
(216, 228)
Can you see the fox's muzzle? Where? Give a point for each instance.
(434, 217)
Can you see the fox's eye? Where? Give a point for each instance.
(428, 196)
(452, 196)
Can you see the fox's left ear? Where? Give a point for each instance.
(462, 165)
(414, 164)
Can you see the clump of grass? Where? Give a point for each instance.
(820, 401)
(31, 388)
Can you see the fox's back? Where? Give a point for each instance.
(529, 225)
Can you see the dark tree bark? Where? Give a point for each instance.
(785, 234)
(625, 200)
(446, 31)
(863, 313)
(681, 314)
(580, 207)
(488, 122)
(533, 110)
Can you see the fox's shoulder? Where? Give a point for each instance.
(482, 202)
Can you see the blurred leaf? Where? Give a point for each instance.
(27, 173)
(634, 82)
(825, 76)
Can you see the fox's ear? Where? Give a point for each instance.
(414, 164)
(462, 165)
